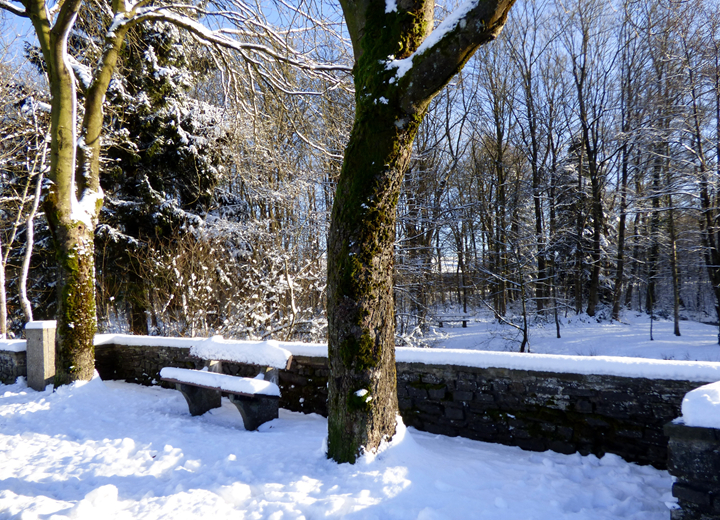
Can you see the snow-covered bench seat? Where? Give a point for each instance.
(257, 400)
(266, 355)
(453, 319)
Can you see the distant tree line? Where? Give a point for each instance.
(573, 167)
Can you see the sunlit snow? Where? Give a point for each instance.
(111, 450)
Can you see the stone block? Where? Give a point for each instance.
(417, 393)
(40, 353)
(454, 413)
(597, 423)
(465, 386)
(688, 493)
(429, 408)
(437, 394)
(583, 406)
(462, 396)
(565, 432)
(484, 398)
(442, 429)
(561, 447)
(404, 403)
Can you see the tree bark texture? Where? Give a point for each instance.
(362, 401)
(73, 240)
(74, 199)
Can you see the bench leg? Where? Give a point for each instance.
(199, 400)
(255, 410)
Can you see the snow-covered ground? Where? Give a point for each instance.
(584, 336)
(111, 450)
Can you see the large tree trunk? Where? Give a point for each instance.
(73, 236)
(390, 104)
(74, 198)
(361, 318)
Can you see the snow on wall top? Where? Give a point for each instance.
(47, 324)
(130, 340)
(707, 371)
(701, 407)
(225, 382)
(13, 345)
(703, 371)
(264, 353)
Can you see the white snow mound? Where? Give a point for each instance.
(224, 382)
(701, 407)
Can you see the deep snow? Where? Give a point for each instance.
(112, 450)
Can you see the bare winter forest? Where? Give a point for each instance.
(572, 166)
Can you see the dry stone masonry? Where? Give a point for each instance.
(533, 409)
(12, 366)
(694, 459)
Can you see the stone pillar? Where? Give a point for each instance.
(694, 459)
(40, 337)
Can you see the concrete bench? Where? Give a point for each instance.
(267, 356)
(453, 319)
(257, 400)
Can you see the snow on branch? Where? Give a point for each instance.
(14, 9)
(446, 49)
(448, 25)
(221, 37)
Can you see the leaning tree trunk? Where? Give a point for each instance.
(391, 100)
(361, 324)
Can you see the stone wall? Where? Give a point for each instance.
(531, 409)
(694, 459)
(140, 364)
(12, 366)
(303, 387)
(543, 410)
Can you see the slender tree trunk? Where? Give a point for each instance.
(674, 267)
(73, 236)
(29, 244)
(654, 254)
(3, 295)
(579, 225)
(617, 291)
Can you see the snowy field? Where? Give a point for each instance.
(584, 336)
(111, 450)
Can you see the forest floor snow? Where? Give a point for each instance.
(113, 450)
(585, 336)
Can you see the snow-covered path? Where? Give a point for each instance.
(111, 450)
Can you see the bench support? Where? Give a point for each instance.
(199, 400)
(255, 410)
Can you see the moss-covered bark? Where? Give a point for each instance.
(73, 200)
(362, 401)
